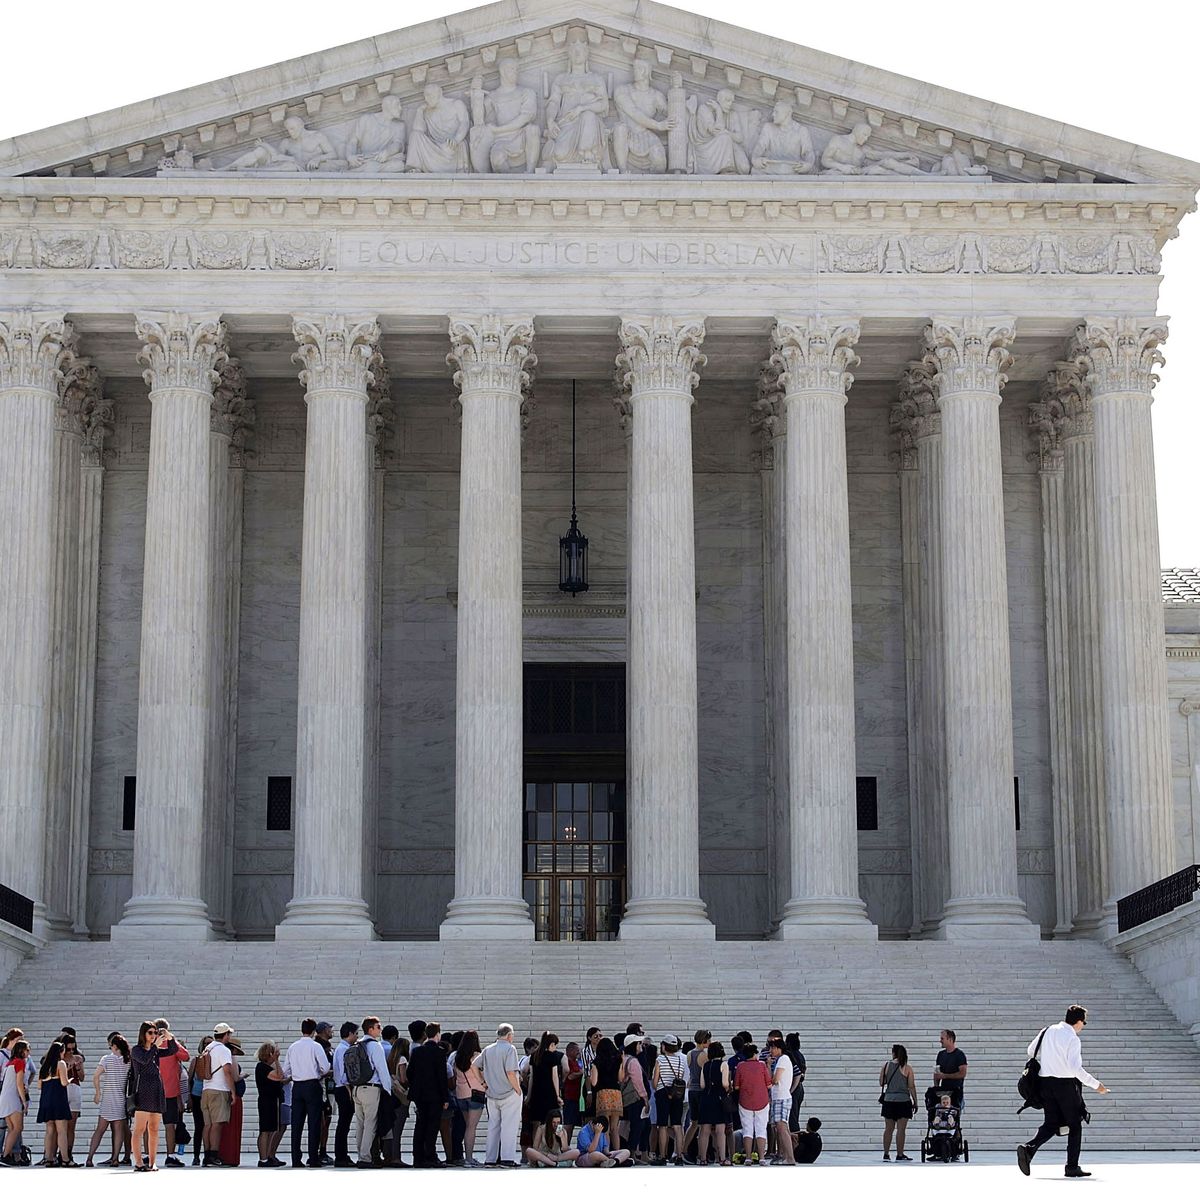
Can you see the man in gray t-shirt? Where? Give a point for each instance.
(498, 1065)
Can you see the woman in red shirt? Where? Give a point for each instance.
(752, 1082)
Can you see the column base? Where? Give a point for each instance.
(486, 919)
(666, 919)
(163, 917)
(1089, 925)
(326, 918)
(987, 919)
(825, 918)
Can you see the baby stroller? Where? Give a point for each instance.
(939, 1145)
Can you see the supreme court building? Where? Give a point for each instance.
(855, 374)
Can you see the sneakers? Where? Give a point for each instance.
(903, 1158)
(887, 1157)
(1079, 1173)
(1024, 1156)
(172, 1161)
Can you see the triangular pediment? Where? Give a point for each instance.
(717, 86)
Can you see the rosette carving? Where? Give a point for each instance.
(971, 355)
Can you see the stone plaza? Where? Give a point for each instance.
(856, 375)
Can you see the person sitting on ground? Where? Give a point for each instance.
(551, 1144)
(594, 1151)
(808, 1143)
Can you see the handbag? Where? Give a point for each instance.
(477, 1096)
(887, 1083)
(130, 1091)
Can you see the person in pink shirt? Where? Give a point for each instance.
(752, 1082)
(172, 1109)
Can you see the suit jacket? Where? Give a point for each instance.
(427, 1081)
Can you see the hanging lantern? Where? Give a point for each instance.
(573, 547)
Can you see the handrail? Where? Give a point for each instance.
(1158, 899)
(16, 909)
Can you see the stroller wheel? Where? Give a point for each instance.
(966, 1153)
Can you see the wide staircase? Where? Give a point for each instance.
(848, 1002)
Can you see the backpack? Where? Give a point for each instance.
(1030, 1083)
(677, 1088)
(357, 1065)
(204, 1066)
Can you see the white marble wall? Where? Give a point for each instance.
(415, 827)
(1183, 716)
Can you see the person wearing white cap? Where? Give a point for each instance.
(670, 1088)
(216, 1098)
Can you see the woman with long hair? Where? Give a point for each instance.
(791, 1045)
(605, 1078)
(14, 1099)
(54, 1109)
(109, 1080)
(397, 1062)
(148, 1095)
(195, 1091)
(897, 1101)
(714, 1090)
(551, 1145)
(469, 1093)
(545, 1078)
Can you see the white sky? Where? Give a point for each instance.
(1101, 65)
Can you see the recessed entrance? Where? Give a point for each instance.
(574, 819)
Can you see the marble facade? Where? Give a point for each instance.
(856, 498)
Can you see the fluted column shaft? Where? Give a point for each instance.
(660, 358)
(815, 356)
(327, 897)
(492, 358)
(1121, 356)
(34, 348)
(68, 443)
(181, 354)
(971, 357)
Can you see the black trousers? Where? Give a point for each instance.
(307, 1102)
(1063, 1105)
(345, 1118)
(425, 1131)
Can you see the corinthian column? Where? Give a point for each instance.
(492, 360)
(181, 354)
(660, 359)
(34, 349)
(815, 355)
(63, 836)
(917, 417)
(971, 357)
(334, 353)
(1047, 424)
(1121, 355)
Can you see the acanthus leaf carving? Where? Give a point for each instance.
(36, 348)
(1048, 418)
(381, 410)
(492, 352)
(971, 354)
(181, 350)
(815, 354)
(96, 416)
(1121, 353)
(335, 351)
(915, 415)
(768, 412)
(661, 354)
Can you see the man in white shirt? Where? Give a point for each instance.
(782, 1074)
(1061, 1074)
(306, 1066)
(216, 1095)
(367, 1095)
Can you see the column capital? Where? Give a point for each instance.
(1048, 419)
(95, 412)
(915, 415)
(335, 350)
(971, 353)
(1121, 353)
(815, 354)
(181, 350)
(381, 411)
(1067, 380)
(492, 352)
(229, 398)
(661, 354)
(80, 384)
(35, 349)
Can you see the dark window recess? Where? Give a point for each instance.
(279, 802)
(129, 802)
(1017, 800)
(866, 801)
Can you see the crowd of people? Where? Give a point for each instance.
(600, 1102)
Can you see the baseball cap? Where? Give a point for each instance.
(324, 1026)
(669, 1039)
(221, 1029)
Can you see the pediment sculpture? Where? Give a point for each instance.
(584, 118)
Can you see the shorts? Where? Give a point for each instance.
(465, 1104)
(171, 1110)
(754, 1122)
(668, 1109)
(781, 1109)
(608, 1104)
(215, 1106)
